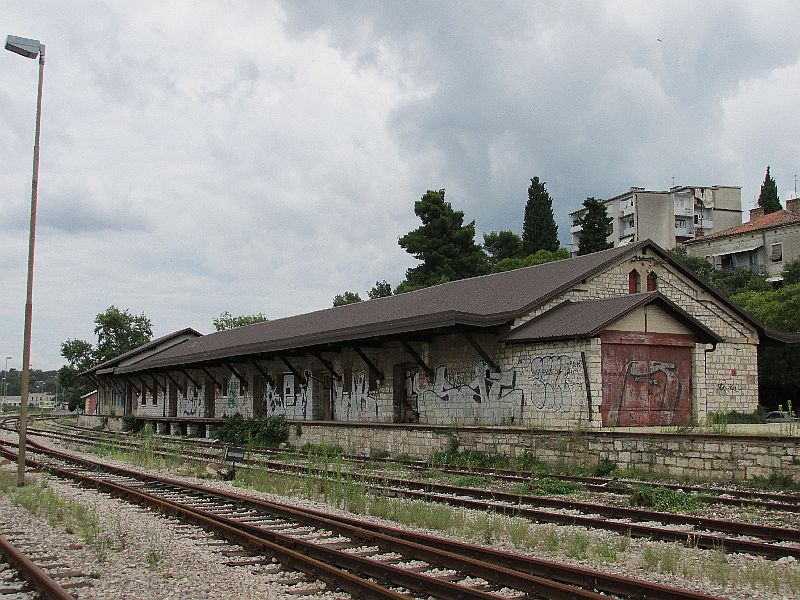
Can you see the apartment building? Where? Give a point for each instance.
(764, 244)
(667, 217)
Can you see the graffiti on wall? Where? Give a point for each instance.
(558, 381)
(283, 400)
(651, 393)
(271, 399)
(357, 401)
(191, 402)
(484, 388)
(234, 399)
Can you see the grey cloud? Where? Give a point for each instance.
(588, 101)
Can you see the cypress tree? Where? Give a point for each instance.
(768, 198)
(594, 227)
(539, 229)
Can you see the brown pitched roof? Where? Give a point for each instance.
(776, 219)
(485, 301)
(152, 344)
(587, 319)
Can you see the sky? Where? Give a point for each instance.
(263, 156)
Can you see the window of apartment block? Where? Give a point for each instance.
(776, 252)
(652, 281)
(680, 223)
(633, 282)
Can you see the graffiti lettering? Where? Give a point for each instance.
(557, 381)
(357, 401)
(731, 387)
(485, 386)
(190, 403)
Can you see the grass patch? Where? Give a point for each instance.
(664, 499)
(41, 500)
(776, 482)
(556, 487)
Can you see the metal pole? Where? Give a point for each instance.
(26, 348)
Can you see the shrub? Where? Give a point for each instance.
(734, 417)
(604, 467)
(132, 424)
(261, 432)
(664, 499)
(557, 487)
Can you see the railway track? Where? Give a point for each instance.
(787, 502)
(361, 558)
(31, 572)
(731, 536)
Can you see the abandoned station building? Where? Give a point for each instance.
(622, 337)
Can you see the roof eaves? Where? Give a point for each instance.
(445, 319)
(628, 249)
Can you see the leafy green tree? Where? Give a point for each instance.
(79, 355)
(346, 298)
(768, 198)
(501, 245)
(539, 229)
(594, 227)
(381, 289)
(735, 281)
(443, 243)
(776, 308)
(118, 332)
(537, 258)
(227, 321)
(791, 272)
(697, 264)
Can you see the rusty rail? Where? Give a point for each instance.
(738, 497)
(31, 572)
(528, 574)
(479, 499)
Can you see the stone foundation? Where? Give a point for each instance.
(689, 457)
(730, 457)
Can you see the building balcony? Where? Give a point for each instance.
(624, 211)
(627, 231)
(575, 229)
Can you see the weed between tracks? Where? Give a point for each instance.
(152, 453)
(38, 498)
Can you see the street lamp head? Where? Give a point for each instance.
(24, 46)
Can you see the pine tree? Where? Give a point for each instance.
(443, 243)
(768, 198)
(539, 229)
(500, 245)
(594, 227)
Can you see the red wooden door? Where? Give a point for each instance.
(646, 384)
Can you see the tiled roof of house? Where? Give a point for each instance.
(776, 219)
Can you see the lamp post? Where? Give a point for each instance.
(5, 385)
(29, 49)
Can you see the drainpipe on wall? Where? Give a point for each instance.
(706, 352)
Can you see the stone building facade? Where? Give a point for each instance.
(765, 244)
(621, 337)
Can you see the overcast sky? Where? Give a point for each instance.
(263, 156)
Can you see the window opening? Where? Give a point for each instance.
(633, 282)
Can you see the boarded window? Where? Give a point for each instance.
(633, 282)
(776, 252)
(652, 281)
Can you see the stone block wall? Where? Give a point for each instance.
(731, 369)
(686, 457)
